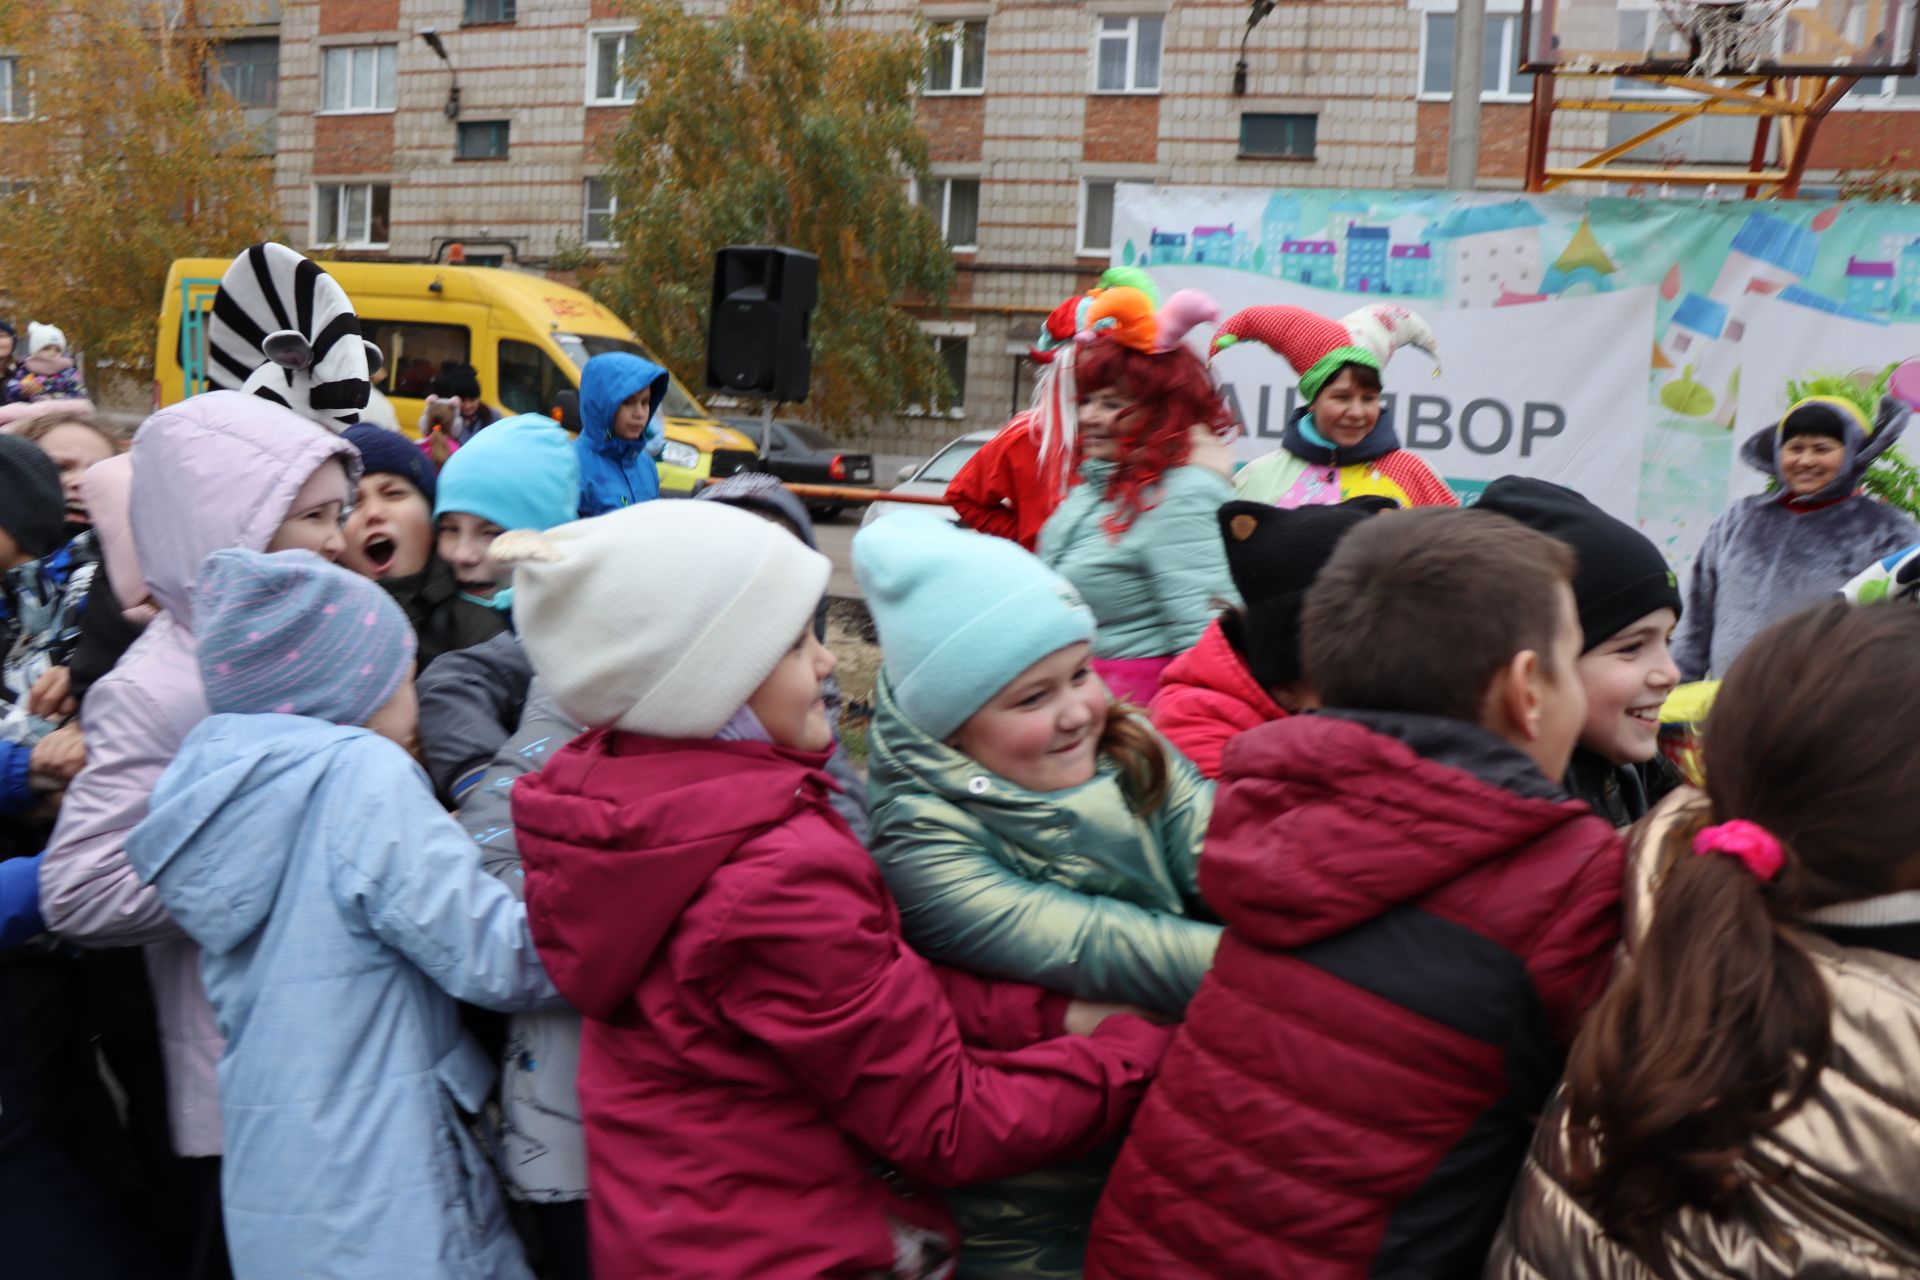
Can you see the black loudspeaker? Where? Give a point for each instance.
(763, 298)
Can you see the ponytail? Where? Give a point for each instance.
(1717, 1032)
(1138, 751)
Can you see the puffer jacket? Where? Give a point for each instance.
(617, 473)
(1155, 588)
(1416, 921)
(1836, 1185)
(242, 459)
(770, 1077)
(334, 949)
(1207, 698)
(1069, 889)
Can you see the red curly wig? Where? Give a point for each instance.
(1172, 392)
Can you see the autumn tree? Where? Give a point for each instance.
(123, 155)
(773, 123)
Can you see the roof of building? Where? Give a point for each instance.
(1778, 242)
(1411, 251)
(1871, 270)
(1803, 297)
(1213, 231)
(1167, 237)
(1357, 232)
(1482, 219)
(1701, 314)
(1308, 246)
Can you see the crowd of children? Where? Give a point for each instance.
(396, 880)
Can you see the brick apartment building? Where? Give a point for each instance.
(1035, 109)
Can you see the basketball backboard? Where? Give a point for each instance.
(1641, 37)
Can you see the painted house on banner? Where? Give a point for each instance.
(1906, 291)
(1869, 285)
(1165, 247)
(1279, 223)
(1492, 250)
(1366, 259)
(1311, 262)
(1410, 270)
(1213, 246)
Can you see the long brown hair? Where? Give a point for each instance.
(1139, 753)
(1722, 1025)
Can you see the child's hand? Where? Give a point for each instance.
(57, 759)
(31, 384)
(1085, 1016)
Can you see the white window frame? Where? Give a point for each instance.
(611, 209)
(1885, 96)
(1132, 21)
(946, 181)
(1505, 12)
(387, 53)
(340, 190)
(17, 105)
(595, 38)
(944, 330)
(1082, 247)
(954, 30)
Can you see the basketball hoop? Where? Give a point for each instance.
(1728, 36)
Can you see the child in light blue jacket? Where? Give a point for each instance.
(341, 914)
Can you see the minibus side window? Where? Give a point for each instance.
(529, 379)
(416, 352)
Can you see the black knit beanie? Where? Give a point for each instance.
(1274, 554)
(1619, 575)
(1820, 417)
(33, 507)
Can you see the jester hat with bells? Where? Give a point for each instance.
(1317, 347)
(283, 329)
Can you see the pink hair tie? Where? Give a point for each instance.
(1747, 841)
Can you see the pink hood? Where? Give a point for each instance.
(219, 470)
(108, 489)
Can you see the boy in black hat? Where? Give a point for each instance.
(1245, 670)
(1629, 604)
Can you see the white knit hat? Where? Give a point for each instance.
(622, 645)
(41, 336)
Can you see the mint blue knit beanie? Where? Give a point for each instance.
(961, 614)
(290, 634)
(520, 473)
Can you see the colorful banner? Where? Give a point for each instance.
(1598, 343)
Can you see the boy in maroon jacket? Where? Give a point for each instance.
(1417, 918)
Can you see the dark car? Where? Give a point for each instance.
(801, 454)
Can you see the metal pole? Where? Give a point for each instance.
(1463, 117)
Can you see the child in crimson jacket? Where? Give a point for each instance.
(772, 1083)
(1246, 669)
(1417, 917)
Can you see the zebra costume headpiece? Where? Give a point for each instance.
(282, 329)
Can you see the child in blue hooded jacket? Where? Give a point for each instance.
(620, 434)
(341, 913)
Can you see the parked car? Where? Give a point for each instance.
(930, 478)
(802, 454)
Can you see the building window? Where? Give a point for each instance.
(955, 206)
(480, 12)
(1096, 217)
(357, 78)
(607, 83)
(602, 204)
(14, 102)
(351, 215)
(953, 354)
(957, 58)
(481, 140)
(1881, 91)
(1126, 55)
(1286, 137)
(1500, 56)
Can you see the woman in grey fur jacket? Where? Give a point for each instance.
(1775, 553)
